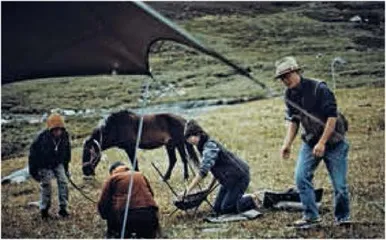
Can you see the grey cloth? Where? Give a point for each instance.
(45, 186)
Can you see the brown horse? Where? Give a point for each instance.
(120, 130)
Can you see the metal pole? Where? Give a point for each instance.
(338, 60)
(135, 160)
(333, 75)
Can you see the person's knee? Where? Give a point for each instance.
(302, 180)
(62, 182)
(62, 179)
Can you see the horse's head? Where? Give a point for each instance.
(92, 153)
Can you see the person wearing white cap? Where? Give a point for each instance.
(311, 104)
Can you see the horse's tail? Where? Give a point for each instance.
(192, 154)
(176, 128)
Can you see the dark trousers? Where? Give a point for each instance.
(231, 200)
(141, 223)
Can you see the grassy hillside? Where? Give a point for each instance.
(254, 131)
(252, 34)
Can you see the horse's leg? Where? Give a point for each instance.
(130, 150)
(181, 150)
(171, 150)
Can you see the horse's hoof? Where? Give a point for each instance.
(166, 178)
(88, 178)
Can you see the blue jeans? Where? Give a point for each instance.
(336, 162)
(231, 200)
(45, 186)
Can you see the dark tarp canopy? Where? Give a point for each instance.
(47, 39)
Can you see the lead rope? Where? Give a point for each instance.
(130, 188)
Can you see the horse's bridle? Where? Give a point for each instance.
(94, 157)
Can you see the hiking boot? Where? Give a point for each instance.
(305, 223)
(342, 222)
(63, 212)
(213, 214)
(45, 215)
(257, 199)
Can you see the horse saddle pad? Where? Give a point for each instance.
(287, 199)
(244, 216)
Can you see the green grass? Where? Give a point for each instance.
(253, 40)
(255, 132)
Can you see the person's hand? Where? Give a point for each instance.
(319, 149)
(285, 151)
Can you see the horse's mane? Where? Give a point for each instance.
(117, 118)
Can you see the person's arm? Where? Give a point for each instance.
(194, 183)
(329, 109)
(105, 199)
(293, 117)
(292, 130)
(329, 128)
(148, 186)
(209, 157)
(67, 158)
(214, 181)
(33, 159)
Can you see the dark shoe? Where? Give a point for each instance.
(307, 223)
(213, 214)
(45, 215)
(63, 212)
(343, 222)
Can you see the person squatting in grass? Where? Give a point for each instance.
(142, 218)
(49, 157)
(229, 170)
(312, 104)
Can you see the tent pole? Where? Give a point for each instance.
(130, 188)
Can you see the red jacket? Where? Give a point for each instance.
(112, 202)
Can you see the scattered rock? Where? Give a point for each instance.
(365, 105)
(24, 192)
(33, 204)
(214, 230)
(356, 19)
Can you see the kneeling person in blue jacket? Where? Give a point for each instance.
(229, 170)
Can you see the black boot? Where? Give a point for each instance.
(63, 212)
(44, 213)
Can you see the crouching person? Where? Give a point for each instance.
(142, 218)
(229, 170)
(49, 157)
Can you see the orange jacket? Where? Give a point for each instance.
(112, 202)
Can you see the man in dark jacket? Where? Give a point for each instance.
(142, 218)
(229, 170)
(50, 155)
(311, 104)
